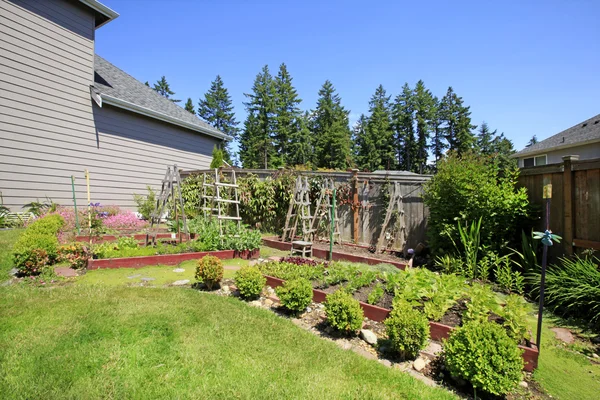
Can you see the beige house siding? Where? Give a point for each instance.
(50, 128)
(585, 152)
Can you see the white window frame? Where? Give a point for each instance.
(534, 157)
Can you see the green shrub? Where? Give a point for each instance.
(481, 302)
(76, 254)
(514, 314)
(127, 242)
(407, 329)
(483, 354)
(295, 294)
(33, 262)
(376, 294)
(468, 187)
(146, 204)
(343, 312)
(48, 225)
(25, 251)
(209, 270)
(572, 287)
(217, 158)
(249, 281)
(287, 270)
(449, 264)
(507, 278)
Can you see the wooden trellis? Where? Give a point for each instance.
(299, 213)
(215, 204)
(396, 206)
(323, 210)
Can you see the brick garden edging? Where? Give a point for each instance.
(166, 259)
(437, 331)
(336, 256)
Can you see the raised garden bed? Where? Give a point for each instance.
(338, 255)
(438, 331)
(163, 259)
(138, 236)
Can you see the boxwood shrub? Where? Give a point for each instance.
(26, 252)
(407, 329)
(209, 270)
(295, 294)
(250, 282)
(343, 312)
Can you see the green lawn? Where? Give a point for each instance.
(117, 342)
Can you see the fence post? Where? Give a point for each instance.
(568, 194)
(355, 205)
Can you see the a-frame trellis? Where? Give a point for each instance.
(170, 190)
(323, 210)
(395, 210)
(215, 204)
(299, 213)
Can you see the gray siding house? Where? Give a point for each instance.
(64, 109)
(582, 140)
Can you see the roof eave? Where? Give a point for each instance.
(125, 105)
(100, 8)
(555, 148)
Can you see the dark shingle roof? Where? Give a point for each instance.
(111, 81)
(581, 133)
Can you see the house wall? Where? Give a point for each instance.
(50, 128)
(585, 152)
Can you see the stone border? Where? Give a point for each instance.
(274, 242)
(437, 331)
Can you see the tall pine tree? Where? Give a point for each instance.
(489, 143)
(438, 143)
(256, 141)
(162, 87)
(363, 146)
(456, 122)
(425, 111)
(287, 115)
(189, 106)
(301, 147)
(380, 134)
(216, 109)
(403, 118)
(331, 131)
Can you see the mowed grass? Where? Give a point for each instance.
(81, 342)
(7, 239)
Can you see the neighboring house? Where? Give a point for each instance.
(582, 139)
(64, 109)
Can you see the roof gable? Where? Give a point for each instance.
(580, 134)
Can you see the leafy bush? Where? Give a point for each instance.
(481, 302)
(407, 328)
(572, 287)
(343, 312)
(33, 262)
(507, 278)
(249, 281)
(442, 295)
(127, 242)
(217, 158)
(146, 204)
(514, 314)
(25, 251)
(449, 264)
(38, 208)
(76, 254)
(469, 187)
(295, 294)
(47, 225)
(209, 270)
(376, 294)
(483, 354)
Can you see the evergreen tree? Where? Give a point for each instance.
(162, 87)
(217, 158)
(438, 144)
(256, 142)
(403, 118)
(301, 149)
(216, 109)
(189, 106)
(456, 120)
(362, 144)
(380, 151)
(425, 110)
(485, 139)
(489, 143)
(287, 115)
(331, 131)
(532, 141)
(147, 84)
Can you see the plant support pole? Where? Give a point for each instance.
(332, 229)
(75, 205)
(87, 181)
(547, 196)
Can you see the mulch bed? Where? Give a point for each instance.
(359, 251)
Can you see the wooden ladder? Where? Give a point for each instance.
(299, 213)
(218, 201)
(323, 210)
(396, 205)
(170, 190)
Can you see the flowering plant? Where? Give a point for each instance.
(76, 254)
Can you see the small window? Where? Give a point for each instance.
(540, 160)
(528, 162)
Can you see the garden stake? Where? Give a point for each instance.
(87, 180)
(75, 205)
(332, 229)
(546, 238)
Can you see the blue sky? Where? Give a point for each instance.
(525, 67)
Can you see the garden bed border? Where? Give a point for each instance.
(437, 330)
(275, 243)
(137, 236)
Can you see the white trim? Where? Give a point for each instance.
(113, 101)
(561, 147)
(102, 9)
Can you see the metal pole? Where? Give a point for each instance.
(332, 229)
(75, 205)
(547, 196)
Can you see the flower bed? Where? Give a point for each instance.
(164, 259)
(438, 330)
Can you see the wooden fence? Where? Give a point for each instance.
(575, 203)
(363, 227)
